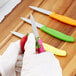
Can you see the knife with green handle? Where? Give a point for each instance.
(57, 34)
(52, 32)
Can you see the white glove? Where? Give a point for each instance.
(3, 2)
(44, 64)
(8, 59)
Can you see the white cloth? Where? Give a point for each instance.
(44, 64)
(7, 7)
(3, 2)
(8, 59)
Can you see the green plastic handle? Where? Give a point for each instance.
(57, 34)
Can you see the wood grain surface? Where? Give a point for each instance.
(12, 22)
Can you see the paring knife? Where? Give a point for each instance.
(56, 16)
(47, 47)
(52, 32)
(38, 40)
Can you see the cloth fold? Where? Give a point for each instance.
(7, 8)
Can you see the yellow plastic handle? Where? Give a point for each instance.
(54, 50)
(63, 19)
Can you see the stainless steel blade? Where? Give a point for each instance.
(34, 26)
(41, 10)
(17, 34)
(28, 21)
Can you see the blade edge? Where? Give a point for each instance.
(17, 34)
(34, 26)
(41, 10)
(28, 21)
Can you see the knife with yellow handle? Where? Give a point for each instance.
(54, 50)
(56, 16)
(46, 46)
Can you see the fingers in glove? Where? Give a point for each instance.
(18, 69)
(30, 45)
(18, 73)
(18, 65)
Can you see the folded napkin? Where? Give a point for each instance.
(9, 58)
(6, 7)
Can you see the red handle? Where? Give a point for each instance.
(22, 43)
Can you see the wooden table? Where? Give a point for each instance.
(12, 22)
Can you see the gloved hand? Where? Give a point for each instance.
(8, 59)
(43, 64)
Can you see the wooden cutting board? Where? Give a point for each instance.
(12, 22)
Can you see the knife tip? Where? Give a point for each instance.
(32, 7)
(22, 18)
(11, 31)
(31, 17)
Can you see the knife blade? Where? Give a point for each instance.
(38, 40)
(17, 34)
(61, 18)
(50, 31)
(34, 26)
